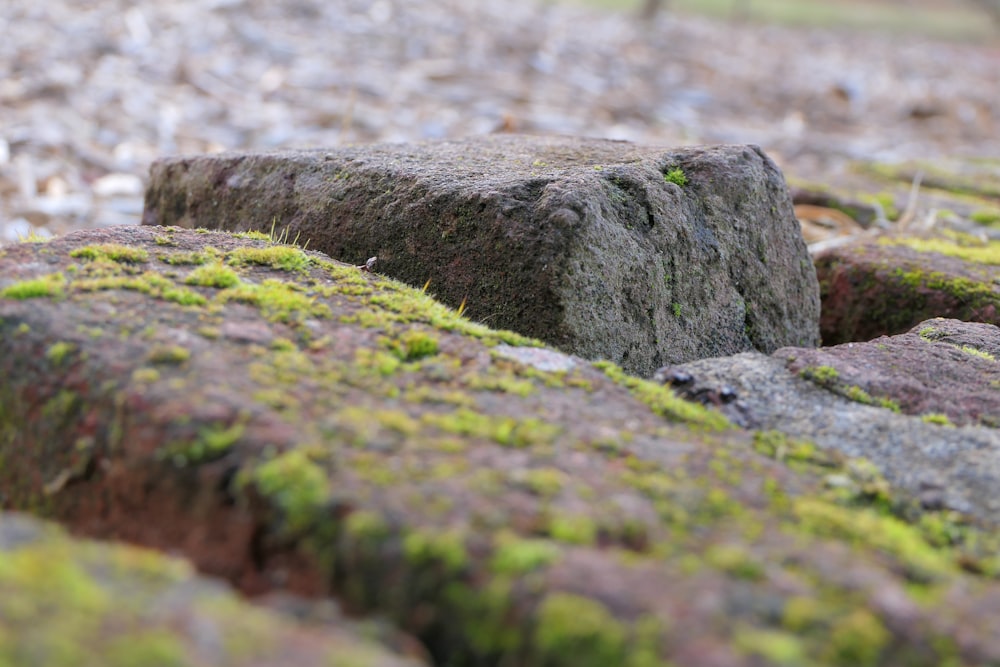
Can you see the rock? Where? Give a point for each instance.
(922, 406)
(69, 602)
(886, 286)
(504, 507)
(642, 256)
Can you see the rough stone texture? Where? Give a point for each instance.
(940, 369)
(292, 423)
(581, 243)
(74, 603)
(886, 286)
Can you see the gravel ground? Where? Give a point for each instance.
(92, 91)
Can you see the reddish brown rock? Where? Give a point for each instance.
(70, 602)
(884, 287)
(502, 505)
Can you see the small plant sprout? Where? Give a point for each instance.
(676, 176)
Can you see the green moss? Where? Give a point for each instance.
(253, 234)
(506, 431)
(986, 216)
(111, 251)
(663, 401)
(364, 525)
(446, 548)
(676, 309)
(58, 352)
(545, 482)
(820, 374)
(51, 285)
(278, 301)
(145, 375)
(802, 613)
(573, 529)
(875, 530)
(578, 631)
(734, 559)
(212, 443)
(936, 418)
(778, 446)
(169, 354)
(988, 253)
(482, 614)
(150, 283)
(676, 176)
(858, 639)
(982, 354)
(215, 274)
(283, 257)
(774, 646)
(414, 344)
(296, 485)
(514, 555)
(150, 648)
(191, 258)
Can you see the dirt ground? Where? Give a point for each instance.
(91, 92)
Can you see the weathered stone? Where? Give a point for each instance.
(641, 256)
(886, 286)
(505, 507)
(68, 602)
(920, 406)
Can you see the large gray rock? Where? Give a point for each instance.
(922, 406)
(585, 244)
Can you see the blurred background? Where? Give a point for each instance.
(91, 91)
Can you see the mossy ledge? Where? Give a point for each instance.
(355, 437)
(72, 602)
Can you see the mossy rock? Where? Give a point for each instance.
(888, 285)
(605, 249)
(320, 429)
(68, 602)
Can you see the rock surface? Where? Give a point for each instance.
(921, 406)
(882, 286)
(293, 423)
(585, 244)
(73, 603)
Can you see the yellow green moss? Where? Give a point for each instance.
(169, 354)
(445, 548)
(774, 646)
(936, 418)
(278, 301)
(295, 483)
(283, 257)
(51, 285)
(114, 252)
(150, 283)
(981, 253)
(734, 559)
(982, 354)
(574, 630)
(514, 555)
(870, 528)
(211, 443)
(414, 344)
(58, 352)
(664, 401)
(215, 274)
(858, 639)
(504, 430)
(573, 528)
